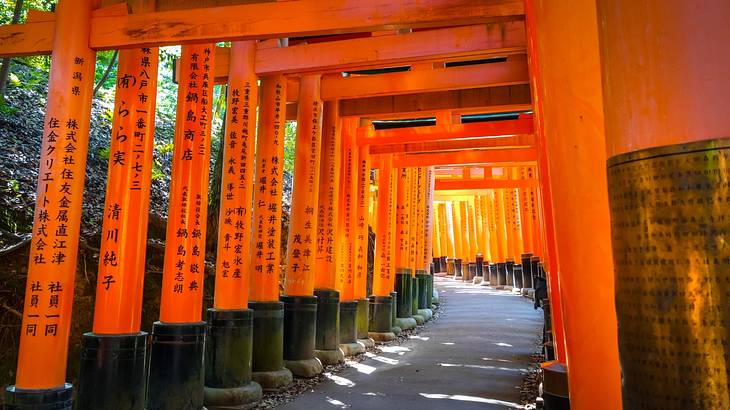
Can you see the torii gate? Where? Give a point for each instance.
(570, 155)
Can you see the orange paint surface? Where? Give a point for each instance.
(428, 216)
(328, 211)
(403, 218)
(234, 228)
(120, 283)
(381, 277)
(571, 134)
(49, 290)
(361, 228)
(301, 248)
(184, 268)
(348, 199)
(265, 243)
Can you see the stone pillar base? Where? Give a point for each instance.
(406, 323)
(367, 342)
(242, 397)
(352, 349)
(273, 380)
(305, 368)
(426, 313)
(419, 319)
(330, 357)
(382, 337)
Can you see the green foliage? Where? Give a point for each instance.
(290, 137)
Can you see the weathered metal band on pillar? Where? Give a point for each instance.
(669, 230)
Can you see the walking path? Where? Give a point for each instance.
(473, 357)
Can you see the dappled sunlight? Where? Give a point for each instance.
(497, 360)
(383, 359)
(447, 343)
(339, 380)
(337, 403)
(416, 337)
(360, 367)
(474, 399)
(502, 344)
(399, 350)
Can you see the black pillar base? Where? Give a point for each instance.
(451, 267)
(228, 353)
(517, 270)
(175, 379)
(348, 322)
(429, 291)
(422, 281)
(300, 324)
(404, 289)
(267, 359)
(526, 270)
(509, 267)
(394, 309)
(443, 264)
(479, 265)
(381, 313)
(112, 371)
(436, 264)
(414, 294)
(51, 399)
(501, 274)
(458, 268)
(534, 270)
(363, 318)
(327, 335)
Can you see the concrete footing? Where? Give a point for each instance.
(305, 368)
(330, 357)
(406, 323)
(352, 349)
(426, 313)
(477, 280)
(220, 399)
(419, 319)
(273, 380)
(367, 342)
(382, 337)
(396, 330)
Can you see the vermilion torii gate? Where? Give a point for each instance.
(465, 59)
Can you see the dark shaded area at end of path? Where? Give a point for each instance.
(474, 356)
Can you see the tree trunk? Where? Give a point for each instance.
(5, 69)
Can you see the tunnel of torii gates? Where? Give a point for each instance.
(587, 134)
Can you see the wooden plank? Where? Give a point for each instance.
(480, 100)
(489, 183)
(510, 72)
(525, 156)
(517, 141)
(27, 39)
(292, 19)
(368, 136)
(457, 43)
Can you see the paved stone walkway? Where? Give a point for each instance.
(473, 357)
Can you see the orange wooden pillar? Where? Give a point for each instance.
(435, 233)
(300, 304)
(404, 273)
(381, 299)
(491, 213)
(414, 218)
(103, 380)
(230, 340)
(501, 224)
(443, 237)
(181, 305)
(448, 229)
(666, 128)
(268, 312)
(347, 258)
(458, 238)
(571, 130)
(524, 207)
(361, 242)
(425, 285)
(43, 350)
(464, 232)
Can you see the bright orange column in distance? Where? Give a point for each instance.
(184, 268)
(403, 220)
(44, 332)
(361, 235)
(234, 229)
(392, 190)
(266, 240)
(328, 209)
(464, 231)
(348, 198)
(428, 216)
(456, 225)
(120, 282)
(301, 249)
(381, 276)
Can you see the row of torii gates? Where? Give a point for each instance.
(641, 83)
